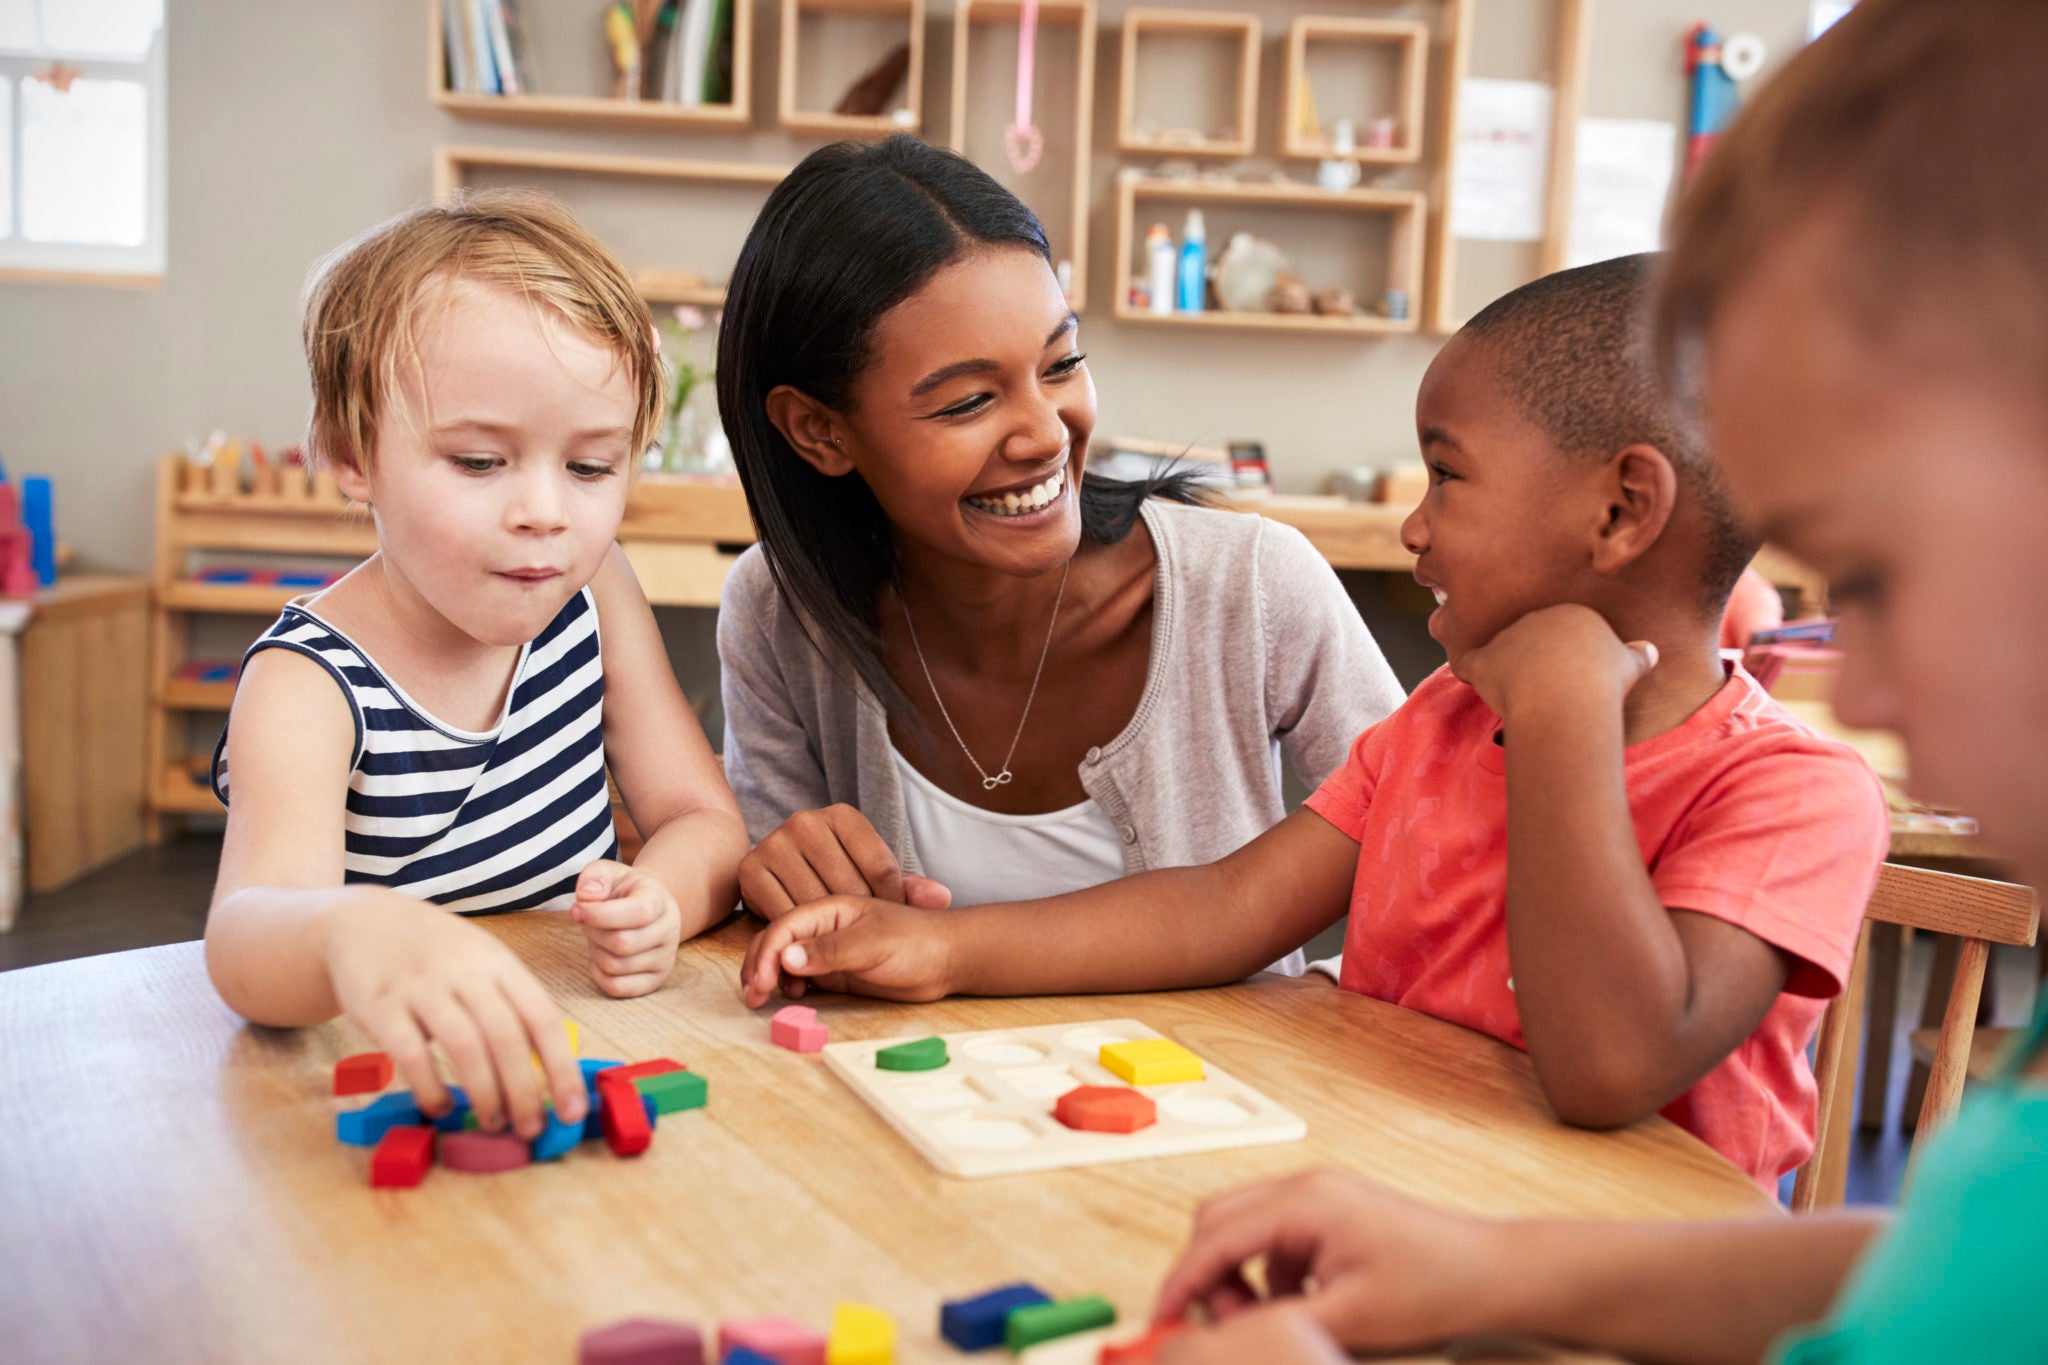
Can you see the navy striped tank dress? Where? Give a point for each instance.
(479, 823)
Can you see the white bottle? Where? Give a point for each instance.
(1159, 257)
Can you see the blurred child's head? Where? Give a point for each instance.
(485, 378)
(1558, 473)
(1858, 296)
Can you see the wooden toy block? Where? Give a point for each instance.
(991, 1109)
(1036, 1322)
(674, 1091)
(575, 1041)
(860, 1336)
(796, 1027)
(922, 1054)
(367, 1126)
(642, 1341)
(593, 1126)
(1140, 1350)
(1082, 1348)
(740, 1355)
(484, 1153)
(1105, 1109)
(775, 1339)
(1151, 1061)
(362, 1073)
(556, 1139)
(636, 1072)
(627, 1129)
(976, 1324)
(402, 1157)
(459, 1117)
(592, 1068)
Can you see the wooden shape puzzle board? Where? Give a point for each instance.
(988, 1111)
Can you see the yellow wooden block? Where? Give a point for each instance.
(860, 1336)
(1151, 1061)
(575, 1038)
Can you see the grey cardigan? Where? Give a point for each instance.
(1256, 647)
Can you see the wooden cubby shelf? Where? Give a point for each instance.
(1410, 40)
(825, 123)
(598, 112)
(1243, 29)
(1404, 209)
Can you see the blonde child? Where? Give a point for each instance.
(432, 733)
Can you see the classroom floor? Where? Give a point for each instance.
(158, 895)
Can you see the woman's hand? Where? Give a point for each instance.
(409, 974)
(829, 852)
(854, 944)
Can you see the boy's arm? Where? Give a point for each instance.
(671, 781)
(1624, 1003)
(1165, 930)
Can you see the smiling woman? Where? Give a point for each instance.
(958, 667)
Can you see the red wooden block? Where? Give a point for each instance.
(633, 1071)
(1106, 1109)
(626, 1129)
(402, 1157)
(796, 1027)
(484, 1153)
(1144, 1350)
(642, 1341)
(364, 1072)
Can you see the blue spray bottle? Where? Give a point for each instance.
(1192, 286)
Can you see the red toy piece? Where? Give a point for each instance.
(626, 1129)
(642, 1341)
(402, 1157)
(362, 1073)
(17, 546)
(779, 1339)
(1105, 1109)
(633, 1071)
(1143, 1351)
(483, 1153)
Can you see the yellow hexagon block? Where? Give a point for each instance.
(1151, 1061)
(860, 1336)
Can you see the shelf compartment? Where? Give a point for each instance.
(1409, 44)
(177, 793)
(874, 15)
(1188, 27)
(182, 694)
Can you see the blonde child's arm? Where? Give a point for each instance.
(289, 944)
(1165, 930)
(686, 878)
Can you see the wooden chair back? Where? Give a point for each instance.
(1979, 913)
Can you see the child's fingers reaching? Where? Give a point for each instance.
(1229, 1230)
(1272, 1336)
(444, 1020)
(400, 1038)
(511, 1051)
(542, 1022)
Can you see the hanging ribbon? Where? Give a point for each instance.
(1022, 142)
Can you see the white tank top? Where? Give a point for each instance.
(983, 856)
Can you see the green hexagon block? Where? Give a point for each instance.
(926, 1054)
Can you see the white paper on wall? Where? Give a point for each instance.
(1503, 155)
(1621, 180)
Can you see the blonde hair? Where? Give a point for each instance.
(1916, 129)
(363, 307)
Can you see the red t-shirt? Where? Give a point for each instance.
(1741, 812)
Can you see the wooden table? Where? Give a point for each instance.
(173, 1191)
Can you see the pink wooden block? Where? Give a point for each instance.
(783, 1341)
(796, 1027)
(642, 1341)
(484, 1152)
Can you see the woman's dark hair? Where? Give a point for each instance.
(853, 231)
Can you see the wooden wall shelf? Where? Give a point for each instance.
(1243, 28)
(1405, 208)
(824, 123)
(1079, 15)
(1411, 41)
(590, 111)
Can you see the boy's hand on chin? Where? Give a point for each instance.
(853, 944)
(633, 926)
(1565, 654)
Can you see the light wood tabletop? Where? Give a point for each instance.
(171, 1188)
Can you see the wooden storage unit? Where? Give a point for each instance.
(592, 111)
(1405, 209)
(1243, 28)
(1411, 41)
(1080, 15)
(824, 123)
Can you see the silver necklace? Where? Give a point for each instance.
(988, 783)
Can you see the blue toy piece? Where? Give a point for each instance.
(367, 1126)
(41, 521)
(740, 1355)
(302, 580)
(556, 1139)
(226, 575)
(453, 1120)
(976, 1324)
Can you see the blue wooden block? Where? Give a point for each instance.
(302, 580)
(367, 1126)
(41, 523)
(452, 1122)
(976, 1324)
(740, 1355)
(556, 1139)
(226, 575)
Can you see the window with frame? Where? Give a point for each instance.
(82, 160)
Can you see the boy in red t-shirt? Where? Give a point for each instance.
(1586, 836)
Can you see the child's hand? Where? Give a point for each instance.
(1271, 1336)
(633, 925)
(853, 944)
(408, 974)
(1566, 653)
(1389, 1274)
(829, 852)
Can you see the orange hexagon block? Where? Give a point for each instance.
(1105, 1109)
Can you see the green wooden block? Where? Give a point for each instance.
(1036, 1322)
(674, 1091)
(926, 1054)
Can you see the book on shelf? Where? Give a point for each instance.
(486, 46)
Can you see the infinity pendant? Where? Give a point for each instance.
(989, 784)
